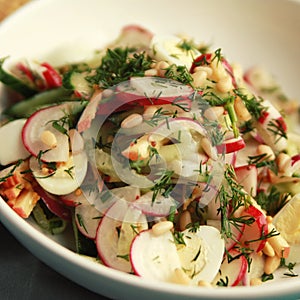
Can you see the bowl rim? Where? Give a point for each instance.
(18, 227)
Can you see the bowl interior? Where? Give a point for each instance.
(250, 32)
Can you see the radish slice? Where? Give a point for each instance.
(130, 193)
(107, 237)
(175, 125)
(254, 233)
(160, 90)
(231, 145)
(247, 177)
(145, 91)
(133, 36)
(14, 148)
(271, 127)
(65, 179)
(236, 232)
(53, 203)
(134, 222)
(232, 270)
(202, 254)
(87, 219)
(73, 199)
(160, 206)
(43, 121)
(154, 257)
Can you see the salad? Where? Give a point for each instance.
(167, 161)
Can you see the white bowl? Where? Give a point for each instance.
(250, 32)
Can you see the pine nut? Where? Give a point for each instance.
(213, 113)
(184, 220)
(269, 219)
(283, 162)
(49, 139)
(224, 85)
(199, 78)
(204, 283)
(278, 243)
(208, 148)
(132, 120)
(78, 192)
(206, 69)
(151, 72)
(268, 250)
(161, 67)
(181, 277)
(255, 281)
(241, 110)
(162, 227)
(149, 112)
(267, 150)
(218, 70)
(271, 264)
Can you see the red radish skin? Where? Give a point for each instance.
(145, 91)
(231, 145)
(73, 199)
(231, 158)
(52, 77)
(235, 270)
(89, 112)
(247, 177)
(39, 122)
(295, 159)
(237, 233)
(53, 203)
(205, 59)
(254, 233)
(107, 237)
(87, 219)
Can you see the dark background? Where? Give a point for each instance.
(24, 277)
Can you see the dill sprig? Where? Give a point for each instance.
(119, 65)
(179, 73)
(163, 185)
(231, 195)
(277, 128)
(187, 45)
(261, 160)
(272, 201)
(252, 103)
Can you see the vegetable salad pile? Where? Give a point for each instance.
(168, 161)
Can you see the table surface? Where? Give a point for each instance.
(22, 275)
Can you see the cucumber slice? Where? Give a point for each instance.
(25, 108)
(76, 81)
(8, 78)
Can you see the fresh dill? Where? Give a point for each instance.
(163, 185)
(118, 65)
(252, 103)
(69, 171)
(179, 238)
(179, 73)
(231, 194)
(278, 129)
(262, 160)
(186, 45)
(81, 222)
(290, 268)
(273, 200)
